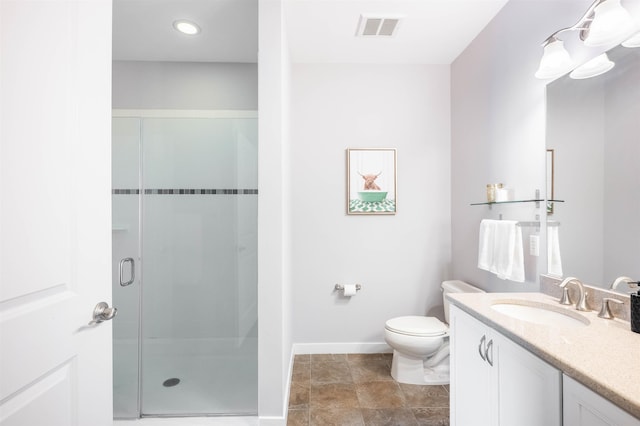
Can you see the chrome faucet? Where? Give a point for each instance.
(581, 304)
(627, 280)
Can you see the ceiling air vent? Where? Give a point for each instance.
(377, 26)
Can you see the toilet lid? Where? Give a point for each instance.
(417, 326)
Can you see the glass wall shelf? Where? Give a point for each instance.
(487, 203)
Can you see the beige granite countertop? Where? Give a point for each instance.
(604, 356)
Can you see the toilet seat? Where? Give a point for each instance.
(417, 326)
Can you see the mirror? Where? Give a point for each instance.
(593, 128)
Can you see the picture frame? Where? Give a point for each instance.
(371, 181)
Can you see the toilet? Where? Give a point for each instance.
(421, 344)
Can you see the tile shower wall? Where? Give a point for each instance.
(227, 87)
(199, 236)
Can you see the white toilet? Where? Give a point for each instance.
(421, 344)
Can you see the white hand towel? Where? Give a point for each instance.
(485, 245)
(553, 250)
(508, 258)
(500, 249)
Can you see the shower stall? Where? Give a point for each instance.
(184, 192)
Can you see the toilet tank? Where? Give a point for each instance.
(455, 286)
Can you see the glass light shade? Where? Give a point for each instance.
(555, 61)
(611, 23)
(633, 41)
(186, 27)
(596, 66)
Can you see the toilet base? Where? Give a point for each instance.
(440, 376)
(411, 370)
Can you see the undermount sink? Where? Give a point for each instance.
(540, 313)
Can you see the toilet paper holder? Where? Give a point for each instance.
(340, 287)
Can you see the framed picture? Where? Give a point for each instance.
(371, 181)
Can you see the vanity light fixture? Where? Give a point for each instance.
(186, 27)
(610, 23)
(596, 66)
(633, 41)
(604, 23)
(555, 61)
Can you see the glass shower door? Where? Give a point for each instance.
(125, 198)
(199, 246)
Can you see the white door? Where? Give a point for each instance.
(55, 226)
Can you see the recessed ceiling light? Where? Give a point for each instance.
(186, 27)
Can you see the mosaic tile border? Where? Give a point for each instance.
(185, 191)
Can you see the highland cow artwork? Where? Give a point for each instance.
(371, 181)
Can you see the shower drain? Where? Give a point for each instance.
(170, 382)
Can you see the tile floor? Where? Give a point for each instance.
(357, 389)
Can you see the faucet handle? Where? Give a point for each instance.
(566, 299)
(605, 311)
(581, 305)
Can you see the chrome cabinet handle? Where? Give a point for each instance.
(124, 283)
(489, 351)
(102, 312)
(480, 351)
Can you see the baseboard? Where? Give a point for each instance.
(287, 394)
(273, 421)
(340, 348)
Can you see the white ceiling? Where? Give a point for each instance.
(143, 30)
(430, 32)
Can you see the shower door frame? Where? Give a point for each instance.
(142, 114)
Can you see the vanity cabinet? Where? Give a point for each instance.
(495, 382)
(583, 407)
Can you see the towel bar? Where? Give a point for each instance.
(537, 224)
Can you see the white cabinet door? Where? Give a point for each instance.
(471, 396)
(55, 107)
(495, 382)
(529, 388)
(583, 407)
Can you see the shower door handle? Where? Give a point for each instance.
(124, 283)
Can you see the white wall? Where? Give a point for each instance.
(274, 287)
(400, 260)
(498, 128)
(184, 85)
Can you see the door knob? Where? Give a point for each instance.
(102, 312)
